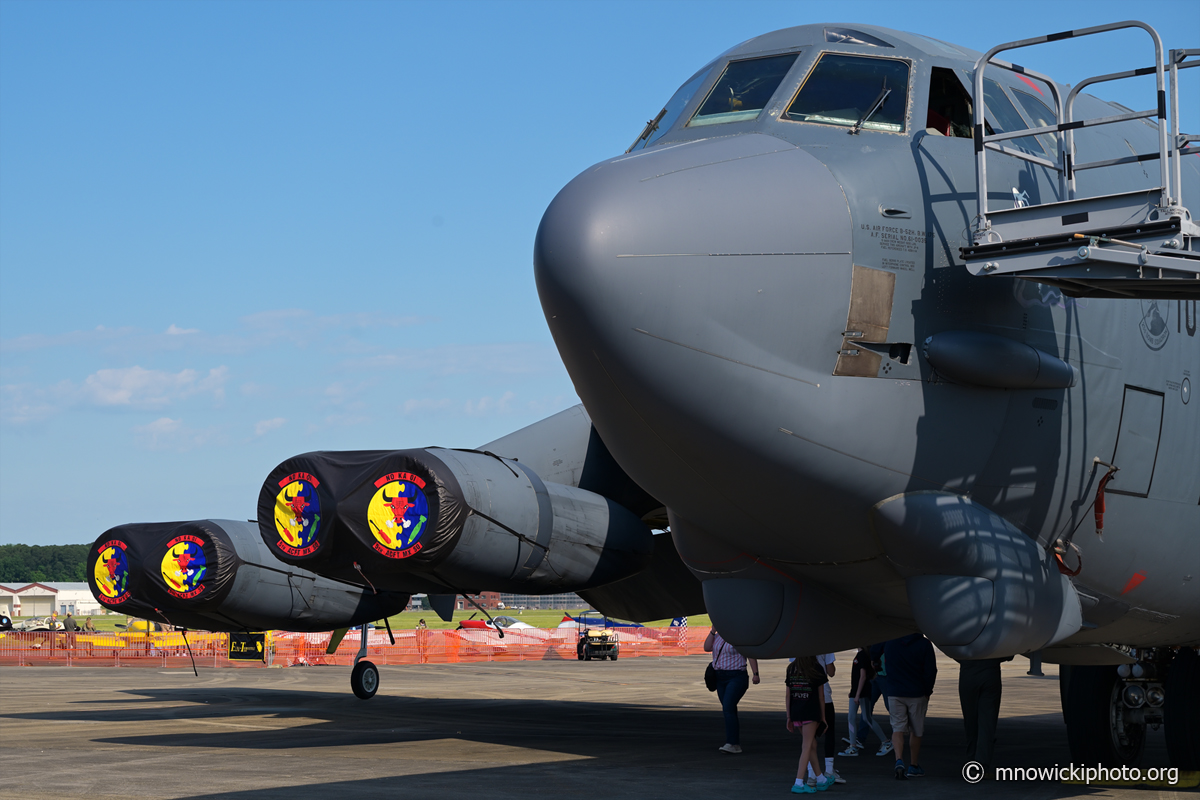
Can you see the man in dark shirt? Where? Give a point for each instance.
(69, 624)
(911, 671)
(979, 693)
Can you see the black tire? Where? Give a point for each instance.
(1181, 711)
(364, 680)
(587, 653)
(1098, 730)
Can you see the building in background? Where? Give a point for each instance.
(74, 598)
(420, 602)
(8, 600)
(44, 599)
(560, 602)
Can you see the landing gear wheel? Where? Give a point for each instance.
(1181, 711)
(1100, 729)
(364, 680)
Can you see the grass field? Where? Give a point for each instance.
(538, 618)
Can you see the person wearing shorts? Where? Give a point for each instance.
(804, 700)
(912, 671)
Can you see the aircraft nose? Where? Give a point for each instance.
(712, 245)
(697, 294)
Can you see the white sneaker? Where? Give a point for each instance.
(849, 751)
(730, 748)
(884, 749)
(837, 777)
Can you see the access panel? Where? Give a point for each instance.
(1137, 441)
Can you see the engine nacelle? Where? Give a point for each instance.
(432, 519)
(218, 575)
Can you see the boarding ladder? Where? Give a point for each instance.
(1137, 244)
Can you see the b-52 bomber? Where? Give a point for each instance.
(888, 334)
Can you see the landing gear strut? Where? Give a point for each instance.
(364, 680)
(1107, 708)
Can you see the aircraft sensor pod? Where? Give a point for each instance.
(435, 519)
(978, 587)
(218, 575)
(985, 359)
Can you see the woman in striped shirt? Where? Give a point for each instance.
(732, 683)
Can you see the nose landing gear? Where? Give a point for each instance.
(1107, 708)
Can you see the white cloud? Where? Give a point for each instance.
(128, 387)
(150, 388)
(514, 358)
(255, 332)
(23, 403)
(489, 405)
(72, 339)
(171, 434)
(267, 425)
(413, 405)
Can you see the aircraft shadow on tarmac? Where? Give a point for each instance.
(628, 749)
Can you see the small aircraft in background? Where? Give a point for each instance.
(505, 623)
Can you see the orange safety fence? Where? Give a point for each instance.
(425, 646)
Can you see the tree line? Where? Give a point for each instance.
(23, 563)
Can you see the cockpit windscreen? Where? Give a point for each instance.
(1006, 118)
(743, 90)
(673, 108)
(854, 91)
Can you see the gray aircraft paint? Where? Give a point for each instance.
(697, 290)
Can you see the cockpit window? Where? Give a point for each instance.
(850, 36)
(672, 110)
(1042, 117)
(743, 90)
(854, 91)
(949, 105)
(1006, 118)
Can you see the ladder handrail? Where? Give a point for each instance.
(1177, 58)
(1066, 142)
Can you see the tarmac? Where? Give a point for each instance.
(638, 727)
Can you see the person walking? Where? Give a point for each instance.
(880, 681)
(804, 702)
(979, 689)
(912, 671)
(826, 661)
(862, 702)
(732, 683)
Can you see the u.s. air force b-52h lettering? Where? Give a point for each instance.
(890, 335)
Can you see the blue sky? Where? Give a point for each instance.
(232, 232)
